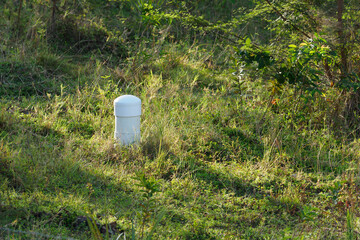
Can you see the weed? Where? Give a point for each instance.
(349, 225)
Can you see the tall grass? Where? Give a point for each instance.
(231, 163)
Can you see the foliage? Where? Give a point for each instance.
(147, 206)
(320, 62)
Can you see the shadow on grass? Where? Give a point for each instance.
(251, 208)
(39, 179)
(231, 146)
(21, 79)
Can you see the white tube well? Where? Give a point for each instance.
(127, 111)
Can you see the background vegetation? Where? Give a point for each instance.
(250, 125)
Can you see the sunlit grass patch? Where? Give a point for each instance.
(228, 164)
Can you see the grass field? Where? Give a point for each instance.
(219, 158)
(226, 162)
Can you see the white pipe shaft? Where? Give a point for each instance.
(127, 130)
(127, 111)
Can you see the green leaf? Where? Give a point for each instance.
(292, 46)
(248, 42)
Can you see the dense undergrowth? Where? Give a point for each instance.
(221, 156)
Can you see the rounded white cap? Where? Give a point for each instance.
(127, 106)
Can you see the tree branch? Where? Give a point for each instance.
(287, 20)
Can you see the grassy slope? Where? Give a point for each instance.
(230, 165)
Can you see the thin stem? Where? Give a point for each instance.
(287, 20)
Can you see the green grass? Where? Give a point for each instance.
(222, 159)
(229, 166)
